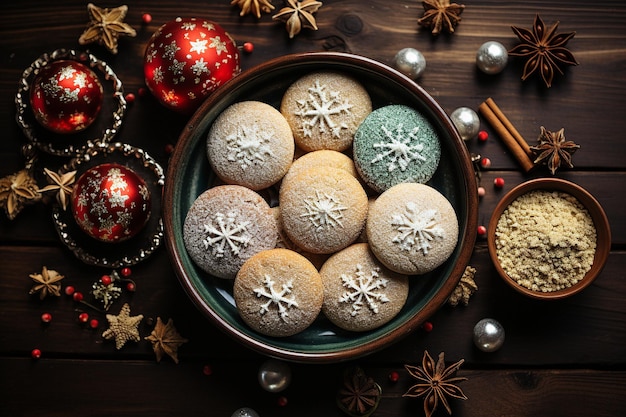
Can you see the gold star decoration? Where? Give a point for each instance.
(440, 15)
(166, 340)
(63, 183)
(106, 26)
(253, 6)
(123, 327)
(465, 288)
(16, 190)
(435, 383)
(298, 14)
(46, 283)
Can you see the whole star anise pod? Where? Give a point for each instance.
(436, 383)
(359, 394)
(298, 14)
(166, 340)
(106, 26)
(46, 283)
(554, 150)
(440, 14)
(253, 6)
(544, 50)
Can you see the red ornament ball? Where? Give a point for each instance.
(186, 60)
(66, 96)
(111, 203)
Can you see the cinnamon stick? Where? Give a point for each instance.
(512, 130)
(507, 136)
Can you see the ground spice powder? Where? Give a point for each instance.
(545, 240)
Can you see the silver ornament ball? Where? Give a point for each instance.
(245, 412)
(491, 57)
(410, 62)
(466, 121)
(274, 375)
(488, 335)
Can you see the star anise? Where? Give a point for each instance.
(106, 26)
(544, 50)
(465, 288)
(166, 340)
(253, 6)
(298, 14)
(16, 190)
(359, 394)
(46, 283)
(440, 15)
(123, 327)
(554, 150)
(436, 383)
(63, 183)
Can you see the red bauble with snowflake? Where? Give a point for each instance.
(186, 60)
(66, 96)
(111, 202)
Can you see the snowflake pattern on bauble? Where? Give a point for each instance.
(249, 145)
(278, 297)
(363, 290)
(396, 148)
(319, 109)
(323, 211)
(416, 229)
(226, 234)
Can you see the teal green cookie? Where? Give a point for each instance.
(396, 144)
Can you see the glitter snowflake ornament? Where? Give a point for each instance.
(186, 60)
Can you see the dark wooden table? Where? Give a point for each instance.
(565, 357)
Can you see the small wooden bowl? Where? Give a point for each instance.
(601, 223)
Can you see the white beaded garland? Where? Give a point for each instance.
(466, 121)
(410, 62)
(488, 335)
(491, 57)
(274, 375)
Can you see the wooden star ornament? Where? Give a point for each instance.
(106, 26)
(123, 327)
(166, 340)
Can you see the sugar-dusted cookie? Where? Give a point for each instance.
(412, 228)
(396, 144)
(324, 109)
(278, 292)
(360, 293)
(225, 226)
(251, 144)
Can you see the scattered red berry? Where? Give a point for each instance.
(498, 182)
(46, 317)
(248, 47)
(427, 326)
(282, 401)
(207, 370)
(35, 353)
(146, 18)
(481, 191)
(394, 376)
(141, 91)
(130, 97)
(106, 280)
(485, 162)
(94, 323)
(69, 290)
(83, 317)
(126, 272)
(77, 296)
(482, 230)
(483, 135)
(130, 286)
(169, 148)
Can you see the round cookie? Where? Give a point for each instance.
(278, 292)
(412, 228)
(395, 144)
(251, 144)
(360, 293)
(324, 109)
(323, 209)
(321, 158)
(225, 226)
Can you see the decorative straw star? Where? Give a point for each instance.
(63, 183)
(123, 327)
(16, 190)
(106, 26)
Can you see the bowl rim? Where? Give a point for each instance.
(599, 217)
(467, 235)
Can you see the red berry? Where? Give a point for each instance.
(485, 162)
(481, 191)
(83, 317)
(141, 91)
(46, 317)
(77, 296)
(482, 230)
(483, 135)
(169, 148)
(282, 401)
(394, 376)
(130, 286)
(248, 47)
(35, 353)
(94, 323)
(146, 18)
(69, 290)
(126, 272)
(207, 370)
(130, 97)
(106, 280)
(427, 326)
(498, 182)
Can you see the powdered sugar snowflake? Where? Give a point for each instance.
(397, 148)
(248, 145)
(416, 228)
(318, 110)
(278, 297)
(226, 234)
(324, 210)
(363, 290)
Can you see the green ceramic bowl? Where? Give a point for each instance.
(189, 174)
